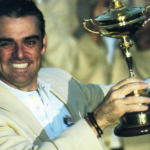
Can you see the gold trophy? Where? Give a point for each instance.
(122, 22)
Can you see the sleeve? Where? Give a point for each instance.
(78, 137)
(93, 93)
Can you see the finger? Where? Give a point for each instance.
(129, 88)
(135, 100)
(136, 108)
(127, 81)
(127, 108)
(125, 90)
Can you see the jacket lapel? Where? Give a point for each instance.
(63, 87)
(10, 103)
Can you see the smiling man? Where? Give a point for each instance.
(47, 108)
(21, 45)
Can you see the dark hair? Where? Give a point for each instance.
(22, 8)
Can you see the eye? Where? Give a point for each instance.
(30, 42)
(6, 44)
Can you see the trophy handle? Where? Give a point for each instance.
(84, 24)
(145, 22)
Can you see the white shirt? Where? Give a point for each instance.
(46, 107)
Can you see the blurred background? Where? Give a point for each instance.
(91, 58)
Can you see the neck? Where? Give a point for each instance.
(32, 86)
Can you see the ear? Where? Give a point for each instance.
(44, 44)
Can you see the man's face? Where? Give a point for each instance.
(20, 51)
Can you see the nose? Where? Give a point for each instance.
(19, 52)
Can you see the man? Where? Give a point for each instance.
(46, 109)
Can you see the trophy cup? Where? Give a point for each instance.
(122, 22)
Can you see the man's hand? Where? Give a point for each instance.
(116, 103)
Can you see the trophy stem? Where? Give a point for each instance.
(125, 46)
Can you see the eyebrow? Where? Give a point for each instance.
(6, 39)
(32, 37)
(26, 38)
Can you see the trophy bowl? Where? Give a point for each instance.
(122, 22)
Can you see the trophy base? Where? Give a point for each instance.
(129, 132)
(136, 123)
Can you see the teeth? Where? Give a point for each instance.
(20, 66)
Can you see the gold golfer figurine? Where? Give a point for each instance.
(122, 22)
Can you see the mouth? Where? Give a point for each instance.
(19, 66)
